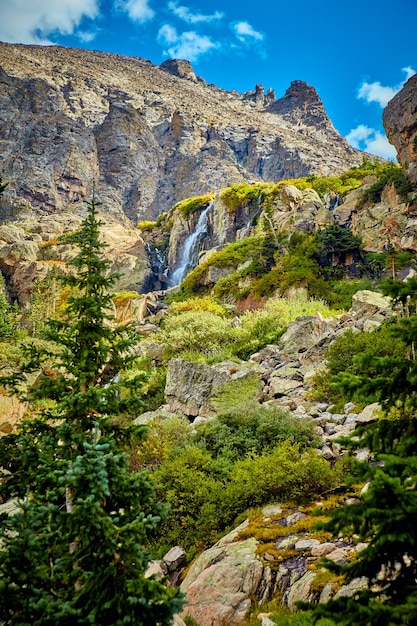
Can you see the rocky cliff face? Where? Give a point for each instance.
(400, 122)
(148, 136)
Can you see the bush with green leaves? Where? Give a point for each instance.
(246, 457)
(251, 429)
(205, 334)
(241, 194)
(335, 239)
(343, 290)
(342, 357)
(207, 493)
(196, 331)
(391, 173)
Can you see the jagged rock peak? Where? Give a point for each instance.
(147, 137)
(301, 103)
(180, 68)
(400, 123)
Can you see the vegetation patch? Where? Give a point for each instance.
(147, 225)
(390, 173)
(239, 195)
(236, 392)
(191, 205)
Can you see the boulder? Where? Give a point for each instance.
(174, 558)
(366, 303)
(199, 389)
(291, 196)
(222, 581)
(306, 332)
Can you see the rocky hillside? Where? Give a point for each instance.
(149, 136)
(400, 122)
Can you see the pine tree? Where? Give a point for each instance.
(385, 517)
(75, 551)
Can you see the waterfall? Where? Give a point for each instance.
(189, 255)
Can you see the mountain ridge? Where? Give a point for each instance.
(148, 137)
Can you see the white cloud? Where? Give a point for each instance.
(167, 35)
(371, 140)
(244, 32)
(136, 10)
(375, 92)
(188, 45)
(409, 72)
(188, 16)
(33, 21)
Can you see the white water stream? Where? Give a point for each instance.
(189, 255)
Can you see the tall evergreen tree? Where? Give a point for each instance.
(385, 517)
(75, 551)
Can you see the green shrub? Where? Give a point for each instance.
(335, 239)
(196, 304)
(199, 331)
(206, 494)
(146, 225)
(236, 392)
(342, 291)
(391, 173)
(251, 429)
(241, 194)
(341, 358)
(164, 436)
(153, 388)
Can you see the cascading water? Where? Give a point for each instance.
(189, 255)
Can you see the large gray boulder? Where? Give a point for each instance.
(221, 582)
(194, 389)
(305, 333)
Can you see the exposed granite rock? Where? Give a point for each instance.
(366, 303)
(221, 581)
(28, 251)
(400, 123)
(149, 136)
(180, 68)
(196, 388)
(224, 581)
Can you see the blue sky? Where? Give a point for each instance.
(357, 54)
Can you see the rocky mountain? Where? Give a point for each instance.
(148, 136)
(400, 122)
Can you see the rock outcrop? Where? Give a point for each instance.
(400, 123)
(148, 136)
(225, 580)
(29, 251)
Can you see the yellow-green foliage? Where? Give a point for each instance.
(208, 332)
(163, 436)
(147, 225)
(204, 303)
(190, 205)
(207, 494)
(266, 325)
(260, 266)
(124, 297)
(253, 249)
(199, 331)
(236, 392)
(239, 195)
(267, 530)
(322, 578)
